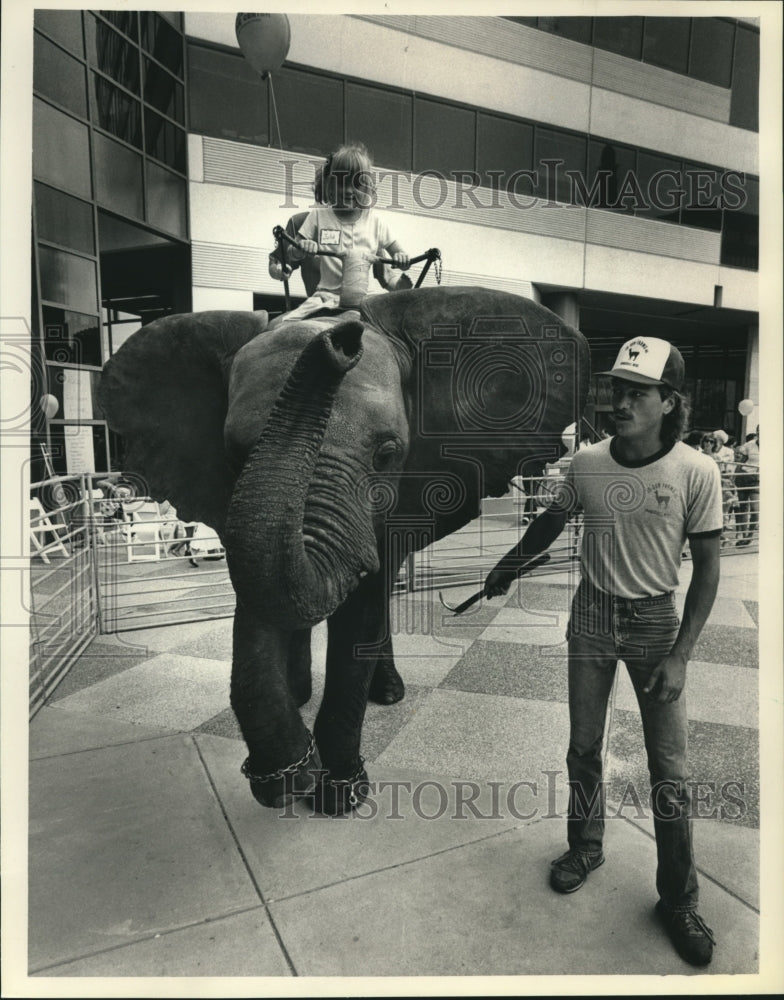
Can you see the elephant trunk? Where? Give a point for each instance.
(288, 577)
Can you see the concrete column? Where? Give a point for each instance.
(565, 305)
(751, 386)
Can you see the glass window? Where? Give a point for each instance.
(118, 177)
(58, 76)
(661, 182)
(227, 98)
(173, 17)
(163, 91)
(507, 146)
(711, 50)
(67, 279)
(166, 198)
(570, 150)
(310, 109)
(64, 26)
(71, 337)
(116, 111)
(609, 166)
(164, 141)
(702, 203)
(740, 231)
(444, 138)
(65, 463)
(61, 149)
(112, 54)
(529, 22)
(666, 42)
(382, 120)
(125, 20)
(744, 103)
(119, 325)
(622, 35)
(162, 41)
(63, 219)
(576, 28)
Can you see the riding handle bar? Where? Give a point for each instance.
(431, 255)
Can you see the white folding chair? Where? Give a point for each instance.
(40, 525)
(143, 533)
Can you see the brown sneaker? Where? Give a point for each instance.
(692, 937)
(569, 872)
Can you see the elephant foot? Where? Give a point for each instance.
(280, 788)
(336, 797)
(387, 685)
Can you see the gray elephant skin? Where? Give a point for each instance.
(323, 452)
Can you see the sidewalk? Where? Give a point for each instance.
(149, 857)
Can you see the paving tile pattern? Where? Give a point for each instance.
(201, 881)
(487, 691)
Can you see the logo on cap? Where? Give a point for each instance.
(651, 361)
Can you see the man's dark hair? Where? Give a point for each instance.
(677, 420)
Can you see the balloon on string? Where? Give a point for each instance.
(49, 405)
(745, 406)
(264, 40)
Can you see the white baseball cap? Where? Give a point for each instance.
(650, 361)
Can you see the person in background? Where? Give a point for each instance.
(724, 456)
(694, 440)
(722, 453)
(747, 483)
(644, 493)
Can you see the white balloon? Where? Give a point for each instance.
(264, 40)
(745, 406)
(49, 405)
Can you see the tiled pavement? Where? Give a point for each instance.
(148, 856)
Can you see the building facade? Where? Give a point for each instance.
(608, 167)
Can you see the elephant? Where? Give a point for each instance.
(323, 452)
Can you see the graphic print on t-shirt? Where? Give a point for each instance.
(658, 499)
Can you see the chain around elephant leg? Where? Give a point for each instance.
(279, 788)
(338, 796)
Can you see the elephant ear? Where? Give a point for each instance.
(486, 368)
(166, 393)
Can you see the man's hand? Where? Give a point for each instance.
(666, 680)
(308, 246)
(401, 259)
(498, 582)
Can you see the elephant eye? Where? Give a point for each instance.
(386, 454)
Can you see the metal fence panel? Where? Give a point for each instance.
(103, 563)
(63, 601)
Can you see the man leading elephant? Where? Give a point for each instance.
(643, 493)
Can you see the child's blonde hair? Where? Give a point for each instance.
(351, 162)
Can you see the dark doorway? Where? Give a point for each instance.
(143, 275)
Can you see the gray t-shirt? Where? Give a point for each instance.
(637, 516)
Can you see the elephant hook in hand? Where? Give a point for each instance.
(460, 608)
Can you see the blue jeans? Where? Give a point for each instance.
(602, 630)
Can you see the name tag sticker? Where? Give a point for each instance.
(330, 237)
